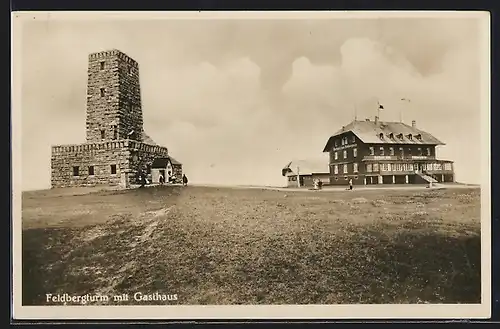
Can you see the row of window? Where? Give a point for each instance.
(344, 153)
(375, 167)
(345, 168)
(381, 152)
(399, 136)
(420, 152)
(345, 141)
(345, 178)
(91, 171)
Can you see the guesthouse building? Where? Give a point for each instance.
(377, 152)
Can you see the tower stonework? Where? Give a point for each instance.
(113, 97)
(116, 150)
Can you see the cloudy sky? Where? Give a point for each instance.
(234, 100)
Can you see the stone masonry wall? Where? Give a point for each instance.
(128, 156)
(130, 98)
(99, 155)
(142, 156)
(177, 171)
(113, 97)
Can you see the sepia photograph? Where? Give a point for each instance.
(251, 165)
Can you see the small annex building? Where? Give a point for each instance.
(307, 172)
(169, 168)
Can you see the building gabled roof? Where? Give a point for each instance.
(306, 167)
(369, 132)
(163, 162)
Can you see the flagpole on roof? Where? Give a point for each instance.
(380, 107)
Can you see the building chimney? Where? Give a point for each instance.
(376, 120)
(414, 124)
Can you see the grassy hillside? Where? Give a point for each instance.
(251, 246)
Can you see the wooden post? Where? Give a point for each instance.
(298, 177)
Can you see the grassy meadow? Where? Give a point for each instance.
(254, 246)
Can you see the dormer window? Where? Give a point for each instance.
(400, 136)
(410, 136)
(381, 135)
(419, 137)
(391, 136)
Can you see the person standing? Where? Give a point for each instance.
(184, 180)
(350, 183)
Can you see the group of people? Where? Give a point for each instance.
(146, 179)
(172, 179)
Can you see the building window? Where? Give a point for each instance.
(418, 136)
(336, 143)
(375, 167)
(383, 167)
(345, 177)
(409, 151)
(336, 169)
(428, 151)
(372, 150)
(115, 132)
(103, 92)
(397, 167)
(336, 155)
(355, 152)
(336, 178)
(381, 135)
(447, 166)
(368, 167)
(91, 170)
(345, 169)
(410, 137)
(420, 151)
(76, 171)
(102, 65)
(400, 136)
(113, 169)
(345, 154)
(129, 70)
(390, 167)
(391, 136)
(353, 139)
(355, 167)
(103, 133)
(402, 151)
(381, 150)
(391, 151)
(355, 177)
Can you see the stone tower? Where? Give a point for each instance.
(114, 109)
